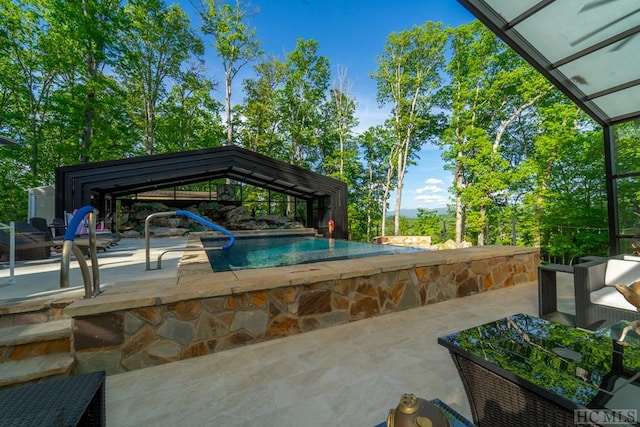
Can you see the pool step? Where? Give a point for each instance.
(34, 351)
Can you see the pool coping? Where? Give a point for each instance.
(196, 278)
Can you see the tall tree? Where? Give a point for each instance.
(157, 42)
(574, 218)
(300, 104)
(408, 76)
(83, 35)
(26, 49)
(340, 120)
(259, 129)
(189, 117)
(300, 101)
(378, 153)
(235, 43)
(490, 88)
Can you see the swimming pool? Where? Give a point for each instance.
(273, 251)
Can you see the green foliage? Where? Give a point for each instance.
(408, 77)
(429, 223)
(234, 42)
(490, 91)
(99, 80)
(627, 159)
(154, 45)
(188, 118)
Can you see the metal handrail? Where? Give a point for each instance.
(216, 227)
(91, 288)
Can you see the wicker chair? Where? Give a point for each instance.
(598, 303)
(498, 402)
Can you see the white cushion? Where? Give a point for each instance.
(622, 272)
(610, 296)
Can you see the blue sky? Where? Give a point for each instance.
(351, 33)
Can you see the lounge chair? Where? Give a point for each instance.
(30, 242)
(59, 227)
(104, 237)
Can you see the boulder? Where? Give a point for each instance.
(238, 214)
(273, 219)
(167, 231)
(130, 234)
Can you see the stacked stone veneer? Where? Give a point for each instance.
(137, 337)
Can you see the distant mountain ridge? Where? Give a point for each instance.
(413, 213)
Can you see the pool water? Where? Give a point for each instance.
(274, 251)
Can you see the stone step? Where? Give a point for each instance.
(36, 332)
(38, 339)
(37, 310)
(35, 368)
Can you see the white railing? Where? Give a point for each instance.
(12, 249)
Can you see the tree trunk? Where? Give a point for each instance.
(149, 127)
(385, 197)
(369, 198)
(483, 216)
(396, 217)
(227, 100)
(87, 129)
(459, 214)
(383, 226)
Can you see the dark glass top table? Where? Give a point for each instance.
(564, 367)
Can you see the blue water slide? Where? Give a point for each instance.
(216, 227)
(70, 234)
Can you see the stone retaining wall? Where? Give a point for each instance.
(413, 241)
(134, 338)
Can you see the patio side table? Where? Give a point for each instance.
(68, 402)
(547, 293)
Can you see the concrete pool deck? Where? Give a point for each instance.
(122, 263)
(350, 374)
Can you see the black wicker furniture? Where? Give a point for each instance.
(526, 371)
(72, 401)
(548, 293)
(30, 242)
(598, 302)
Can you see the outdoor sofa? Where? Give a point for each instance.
(597, 300)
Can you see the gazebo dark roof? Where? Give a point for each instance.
(75, 185)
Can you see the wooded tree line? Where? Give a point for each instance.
(93, 80)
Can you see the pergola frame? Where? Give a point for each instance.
(591, 32)
(94, 183)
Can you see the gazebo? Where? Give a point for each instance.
(588, 50)
(101, 182)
